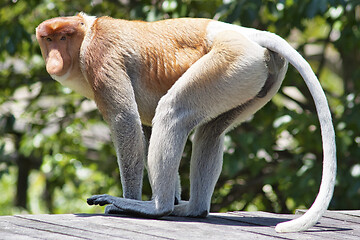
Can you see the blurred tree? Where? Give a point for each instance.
(55, 149)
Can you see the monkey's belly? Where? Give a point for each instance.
(147, 110)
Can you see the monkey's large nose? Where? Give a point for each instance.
(54, 63)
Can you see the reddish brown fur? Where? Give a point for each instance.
(61, 25)
(170, 49)
(153, 54)
(165, 49)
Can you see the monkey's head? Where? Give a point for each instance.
(60, 41)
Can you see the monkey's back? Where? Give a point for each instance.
(162, 51)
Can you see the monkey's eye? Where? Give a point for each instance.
(63, 38)
(48, 39)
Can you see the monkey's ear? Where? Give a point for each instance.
(82, 14)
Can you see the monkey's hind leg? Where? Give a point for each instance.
(205, 168)
(207, 155)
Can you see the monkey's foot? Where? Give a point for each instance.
(183, 209)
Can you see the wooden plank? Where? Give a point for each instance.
(77, 228)
(235, 225)
(43, 230)
(267, 223)
(167, 228)
(354, 213)
(350, 216)
(325, 228)
(17, 229)
(11, 231)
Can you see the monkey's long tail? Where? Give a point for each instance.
(321, 203)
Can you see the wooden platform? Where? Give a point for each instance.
(235, 225)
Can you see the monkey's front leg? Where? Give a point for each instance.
(130, 148)
(166, 146)
(116, 102)
(129, 143)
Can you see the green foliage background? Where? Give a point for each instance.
(55, 149)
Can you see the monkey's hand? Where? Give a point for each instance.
(101, 200)
(131, 206)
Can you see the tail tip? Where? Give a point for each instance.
(295, 225)
(282, 228)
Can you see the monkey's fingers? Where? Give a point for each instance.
(100, 200)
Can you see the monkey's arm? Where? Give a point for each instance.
(116, 101)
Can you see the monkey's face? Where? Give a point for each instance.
(60, 41)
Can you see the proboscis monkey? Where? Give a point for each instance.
(177, 76)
